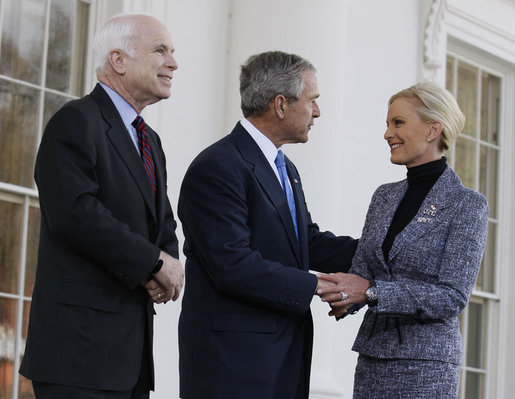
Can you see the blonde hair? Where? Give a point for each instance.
(436, 104)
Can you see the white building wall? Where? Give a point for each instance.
(364, 52)
(187, 122)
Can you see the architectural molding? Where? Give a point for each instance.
(483, 35)
(434, 39)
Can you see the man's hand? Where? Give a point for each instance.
(339, 311)
(347, 289)
(155, 291)
(321, 283)
(167, 283)
(328, 286)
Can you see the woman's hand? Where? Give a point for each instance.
(348, 289)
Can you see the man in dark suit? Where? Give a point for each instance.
(245, 328)
(108, 246)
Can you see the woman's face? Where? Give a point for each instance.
(407, 135)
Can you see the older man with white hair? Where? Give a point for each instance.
(108, 247)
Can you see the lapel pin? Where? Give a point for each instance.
(431, 211)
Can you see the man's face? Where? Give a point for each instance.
(301, 114)
(149, 73)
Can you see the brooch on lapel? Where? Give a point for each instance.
(430, 212)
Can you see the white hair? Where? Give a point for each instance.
(117, 33)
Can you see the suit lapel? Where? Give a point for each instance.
(124, 146)
(384, 210)
(268, 180)
(431, 212)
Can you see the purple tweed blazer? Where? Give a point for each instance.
(429, 276)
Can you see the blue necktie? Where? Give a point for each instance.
(283, 174)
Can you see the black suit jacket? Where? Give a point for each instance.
(101, 234)
(245, 328)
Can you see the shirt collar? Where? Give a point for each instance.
(266, 146)
(127, 113)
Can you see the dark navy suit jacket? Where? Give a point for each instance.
(245, 328)
(101, 234)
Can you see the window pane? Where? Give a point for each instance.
(19, 131)
(474, 383)
(22, 39)
(10, 241)
(25, 324)
(32, 250)
(25, 386)
(490, 97)
(475, 335)
(7, 344)
(488, 177)
(486, 278)
(448, 155)
(449, 82)
(65, 66)
(467, 96)
(465, 164)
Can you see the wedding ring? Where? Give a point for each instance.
(344, 296)
(159, 296)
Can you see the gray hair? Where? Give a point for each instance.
(266, 75)
(117, 33)
(436, 104)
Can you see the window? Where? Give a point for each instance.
(475, 157)
(42, 54)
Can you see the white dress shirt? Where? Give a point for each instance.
(266, 146)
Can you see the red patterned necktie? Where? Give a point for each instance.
(144, 148)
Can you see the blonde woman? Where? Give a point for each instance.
(418, 258)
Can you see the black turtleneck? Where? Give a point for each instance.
(421, 179)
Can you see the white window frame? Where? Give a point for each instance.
(490, 321)
(497, 324)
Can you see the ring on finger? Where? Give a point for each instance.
(344, 296)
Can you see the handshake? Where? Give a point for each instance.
(341, 291)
